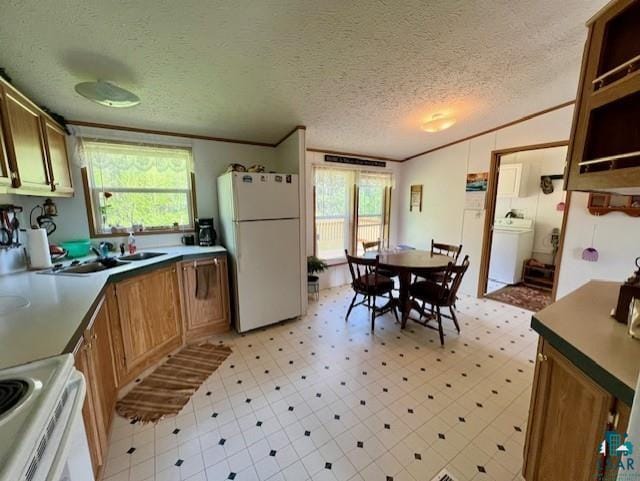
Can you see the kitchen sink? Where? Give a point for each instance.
(141, 256)
(82, 269)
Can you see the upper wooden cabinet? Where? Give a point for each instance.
(5, 170)
(26, 143)
(58, 160)
(34, 149)
(604, 151)
(205, 312)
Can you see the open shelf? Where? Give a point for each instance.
(620, 54)
(613, 136)
(602, 204)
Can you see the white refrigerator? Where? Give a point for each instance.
(260, 227)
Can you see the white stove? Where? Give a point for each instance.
(41, 431)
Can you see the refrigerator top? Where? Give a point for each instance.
(264, 196)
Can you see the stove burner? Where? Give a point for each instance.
(12, 391)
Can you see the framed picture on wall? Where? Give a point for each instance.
(415, 200)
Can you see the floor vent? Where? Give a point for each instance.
(444, 476)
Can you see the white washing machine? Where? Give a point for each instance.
(512, 245)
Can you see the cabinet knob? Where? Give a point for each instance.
(541, 357)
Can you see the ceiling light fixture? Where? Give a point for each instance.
(438, 123)
(107, 94)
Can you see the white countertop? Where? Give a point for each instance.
(59, 304)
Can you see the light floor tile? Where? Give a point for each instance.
(322, 399)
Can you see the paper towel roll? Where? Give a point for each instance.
(38, 246)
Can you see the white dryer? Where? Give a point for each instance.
(512, 244)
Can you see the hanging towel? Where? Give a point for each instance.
(205, 280)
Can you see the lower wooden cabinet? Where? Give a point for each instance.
(94, 358)
(135, 324)
(207, 313)
(149, 320)
(568, 418)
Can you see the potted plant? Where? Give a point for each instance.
(315, 265)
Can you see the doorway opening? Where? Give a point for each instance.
(527, 211)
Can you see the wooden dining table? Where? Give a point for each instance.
(402, 263)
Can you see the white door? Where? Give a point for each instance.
(268, 272)
(265, 196)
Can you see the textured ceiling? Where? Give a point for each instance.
(361, 75)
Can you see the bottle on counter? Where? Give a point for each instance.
(131, 242)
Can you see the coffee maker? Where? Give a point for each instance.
(205, 232)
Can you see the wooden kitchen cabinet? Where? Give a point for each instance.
(5, 169)
(94, 358)
(58, 159)
(203, 317)
(604, 150)
(149, 320)
(25, 142)
(33, 158)
(568, 418)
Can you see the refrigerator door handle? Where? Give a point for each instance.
(238, 253)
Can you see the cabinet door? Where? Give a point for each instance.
(90, 409)
(567, 421)
(150, 319)
(5, 169)
(25, 142)
(101, 356)
(509, 180)
(211, 314)
(56, 149)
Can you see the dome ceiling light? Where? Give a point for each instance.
(438, 123)
(107, 94)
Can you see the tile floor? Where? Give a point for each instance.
(322, 399)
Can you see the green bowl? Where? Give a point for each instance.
(77, 248)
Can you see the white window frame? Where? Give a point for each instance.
(94, 191)
(352, 217)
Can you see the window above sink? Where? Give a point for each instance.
(139, 187)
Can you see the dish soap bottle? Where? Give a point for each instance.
(131, 242)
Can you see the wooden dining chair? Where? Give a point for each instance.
(438, 294)
(448, 250)
(371, 245)
(367, 281)
(374, 246)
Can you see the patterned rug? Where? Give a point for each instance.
(167, 389)
(522, 296)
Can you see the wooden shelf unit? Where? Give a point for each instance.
(604, 151)
(538, 276)
(602, 204)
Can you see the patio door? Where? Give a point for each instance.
(372, 211)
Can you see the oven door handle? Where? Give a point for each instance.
(75, 415)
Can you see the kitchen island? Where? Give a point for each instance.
(586, 372)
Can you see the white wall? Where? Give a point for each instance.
(533, 203)
(338, 275)
(443, 175)
(617, 239)
(210, 160)
(290, 158)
